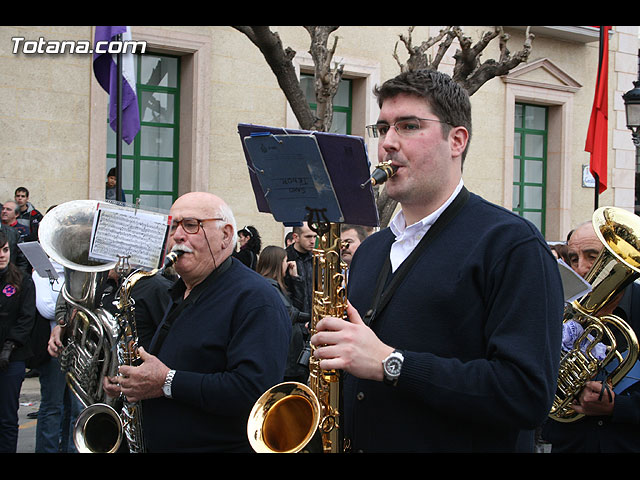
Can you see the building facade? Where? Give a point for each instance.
(197, 83)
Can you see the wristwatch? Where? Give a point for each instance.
(391, 367)
(166, 388)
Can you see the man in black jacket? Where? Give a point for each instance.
(453, 337)
(301, 251)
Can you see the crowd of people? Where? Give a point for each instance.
(447, 347)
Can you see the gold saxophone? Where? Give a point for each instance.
(617, 266)
(292, 417)
(99, 427)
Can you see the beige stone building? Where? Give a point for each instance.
(199, 82)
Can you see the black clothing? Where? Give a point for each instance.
(301, 298)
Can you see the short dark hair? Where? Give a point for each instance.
(22, 189)
(448, 99)
(361, 231)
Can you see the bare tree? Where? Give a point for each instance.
(468, 70)
(327, 73)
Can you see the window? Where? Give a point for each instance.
(530, 163)
(341, 103)
(150, 163)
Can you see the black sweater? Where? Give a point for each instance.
(479, 320)
(17, 315)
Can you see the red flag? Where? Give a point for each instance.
(597, 136)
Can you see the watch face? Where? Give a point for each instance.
(393, 366)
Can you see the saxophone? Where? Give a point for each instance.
(99, 427)
(292, 417)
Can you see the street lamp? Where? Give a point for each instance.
(632, 107)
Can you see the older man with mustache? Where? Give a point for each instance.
(223, 341)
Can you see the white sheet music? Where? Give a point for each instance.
(38, 259)
(120, 231)
(574, 285)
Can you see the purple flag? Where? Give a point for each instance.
(106, 72)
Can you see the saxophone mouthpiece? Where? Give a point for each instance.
(171, 258)
(383, 172)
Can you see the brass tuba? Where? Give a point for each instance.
(292, 417)
(617, 266)
(91, 332)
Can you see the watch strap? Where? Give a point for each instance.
(166, 388)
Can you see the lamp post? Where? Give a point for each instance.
(632, 110)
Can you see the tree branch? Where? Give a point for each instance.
(280, 62)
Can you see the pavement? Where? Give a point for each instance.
(29, 402)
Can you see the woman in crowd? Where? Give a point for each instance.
(17, 315)
(250, 244)
(273, 265)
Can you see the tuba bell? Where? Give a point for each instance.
(91, 332)
(604, 347)
(292, 417)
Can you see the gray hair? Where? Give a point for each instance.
(226, 214)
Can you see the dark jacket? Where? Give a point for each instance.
(17, 315)
(478, 318)
(301, 298)
(31, 219)
(228, 342)
(297, 369)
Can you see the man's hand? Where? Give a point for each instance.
(54, 345)
(351, 346)
(138, 383)
(590, 403)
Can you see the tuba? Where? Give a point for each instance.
(292, 417)
(605, 347)
(99, 428)
(91, 332)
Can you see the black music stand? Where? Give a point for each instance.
(295, 172)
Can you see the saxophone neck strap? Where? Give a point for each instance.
(385, 287)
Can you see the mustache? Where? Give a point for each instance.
(179, 247)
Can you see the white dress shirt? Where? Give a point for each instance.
(407, 237)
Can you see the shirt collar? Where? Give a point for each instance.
(399, 226)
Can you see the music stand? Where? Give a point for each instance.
(296, 172)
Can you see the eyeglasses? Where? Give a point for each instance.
(405, 128)
(190, 225)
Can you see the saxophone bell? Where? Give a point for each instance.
(292, 417)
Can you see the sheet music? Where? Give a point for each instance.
(38, 259)
(574, 285)
(123, 231)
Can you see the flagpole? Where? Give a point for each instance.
(119, 125)
(600, 54)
